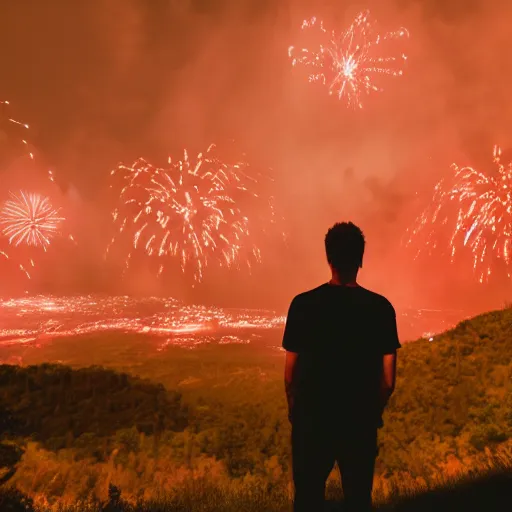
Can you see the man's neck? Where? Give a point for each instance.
(337, 281)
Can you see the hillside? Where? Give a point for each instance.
(208, 427)
(454, 396)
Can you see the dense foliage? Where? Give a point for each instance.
(213, 419)
(454, 398)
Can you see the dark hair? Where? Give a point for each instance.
(344, 246)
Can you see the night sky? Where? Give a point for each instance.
(108, 81)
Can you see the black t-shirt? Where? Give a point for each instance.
(340, 334)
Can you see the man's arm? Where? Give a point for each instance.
(390, 345)
(289, 371)
(293, 340)
(387, 382)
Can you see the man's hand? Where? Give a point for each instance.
(289, 385)
(387, 383)
(289, 397)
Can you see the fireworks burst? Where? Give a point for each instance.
(190, 210)
(29, 219)
(348, 63)
(477, 207)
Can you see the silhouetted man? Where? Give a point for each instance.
(341, 343)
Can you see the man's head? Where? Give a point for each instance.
(344, 246)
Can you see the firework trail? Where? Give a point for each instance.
(29, 219)
(348, 63)
(7, 120)
(5, 256)
(477, 207)
(191, 211)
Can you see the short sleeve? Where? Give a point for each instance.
(389, 334)
(293, 331)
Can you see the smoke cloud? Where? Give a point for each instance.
(106, 81)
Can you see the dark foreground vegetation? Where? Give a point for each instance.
(491, 492)
(206, 430)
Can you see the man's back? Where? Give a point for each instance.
(340, 367)
(340, 334)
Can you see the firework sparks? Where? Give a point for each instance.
(190, 210)
(29, 219)
(25, 143)
(348, 63)
(18, 123)
(45, 317)
(477, 208)
(5, 256)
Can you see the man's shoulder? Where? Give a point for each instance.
(378, 299)
(309, 294)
